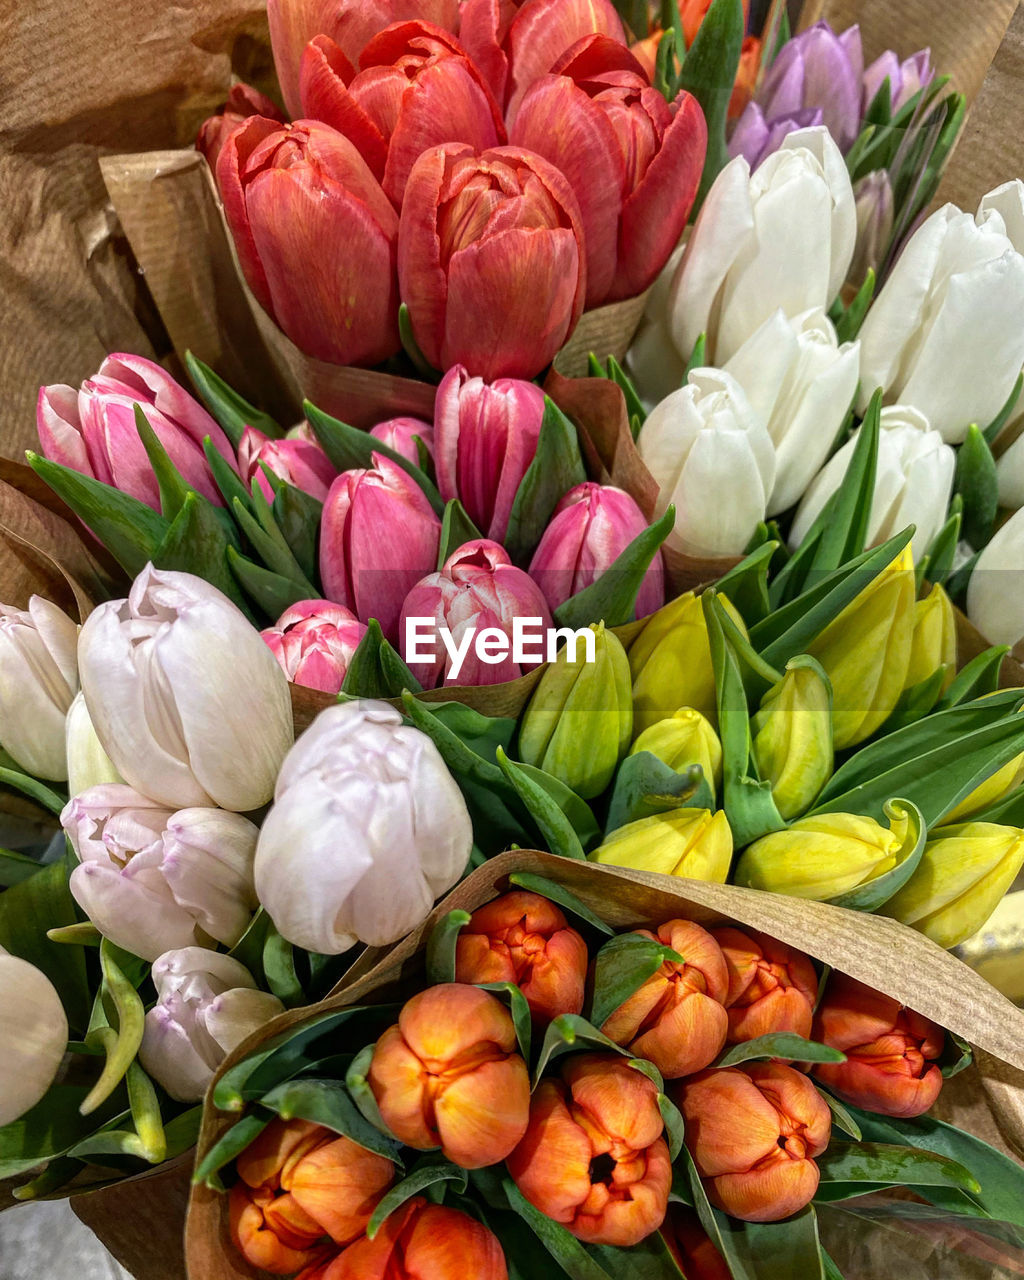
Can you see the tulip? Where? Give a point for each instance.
(995, 600)
(153, 880)
(634, 160)
(875, 205)
(961, 879)
(753, 1132)
(401, 435)
(693, 843)
(579, 721)
(594, 1158)
(38, 682)
(301, 194)
(684, 739)
(34, 1035)
(943, 334)
(677, 1018)
(299, 463)
(819, 68)
(92, 430)
(368, 827)
(995, 788)
(88, 765)
(314, 642)
(447, 1076)
(772, 987)
(746, 76)
(704, 439)
(755, 137)
(352, 24)
(913, 481)
(524, 938)
(890, 1050)
(792, 738)
(821, 857)
(933, 646)
(800, 381)
(691, 1246)
(187, 700)
(379, 536)
(485, 440)
(591, 527)
(422, 1241)
(490, 260)
(1010, 465)
(477, 591)
(243, 101)
(905, 78)
(207, 1004)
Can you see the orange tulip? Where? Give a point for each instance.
(447, 1075)
(753, 1132)
(772, 987)
(524, 938)
(890, 1050)
(691, 1246)
(693, 13)
(677, 1019)
(594, 1158)
(746, 76)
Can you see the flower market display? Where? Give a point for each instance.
(505, 730)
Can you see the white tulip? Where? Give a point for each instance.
(995, 593)
(1010, 464)
(38, 680)
(33, 1036)
(945, 334)
(88, 764)
(913, 482)
(186, 698)
(367, 829)
(207, 1004)
(151, 879)
(713, 459)
(801, 383)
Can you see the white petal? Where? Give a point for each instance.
(843, 231)
(33, 1033)
(236, 1014)
(199, 968)
(88, 765)
(995, 594)
(207, 863)
(763, 362)
(1008, 201)
(1010, 471)
(169, 1056)
(129, 913)
(720, 462)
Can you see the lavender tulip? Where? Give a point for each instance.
(818, 68)
(755, 137)
(905, 78)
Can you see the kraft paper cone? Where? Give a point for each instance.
(605, 331)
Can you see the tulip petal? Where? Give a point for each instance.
(482, 1116)
(131, 914)
(543, 30)
(231, 162)
(324, 78)
(34, 1029)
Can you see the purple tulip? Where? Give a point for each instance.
(400, 434)
(818, 68)
(757, 138)
(314, 642)
(297, 461)
(905, 78)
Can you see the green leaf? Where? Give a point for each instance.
(569, 1033)
(120, 1042)
(16, 867)
(611, 599)
(618, 375)
(269, 543)
(841, 1118)
(938, 562)
(456, 530)
(674, 1126)
(991, 432)
(358, 1086)
(197, 543)
(442, 944)
(557, 893)
(377, 669)
(232, 411)
(621, 968)
(709, 73)
(566, 1250)
(576, 810)
(977, 679)
(978, 485)
(298, 516)
(229, 1146)
(664, 65)
(518, 1007)
(328, 1103)
(427, 1172)
(853, 316)
(957, 1056)
(875, 893)
(698, 357)
(780, 1044)
(412, 349)
(269, 592)
(645, 785)
(52, 1128)
(481, 733)
(146, 1117)
(892, 1165)
(279, 968)
(34, 789)
(554, 826)
(225, 477)
(746, 585)
(769, 1250)
(173, 487)
(556, 468)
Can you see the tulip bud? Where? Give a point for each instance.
(747, 72)
(691, 1246)
(478, 591)
(875, 207)
(447, 1076)
(819, 68)
(961, 879)
(933, 646)
(93, 430)
(88, 764)
(524, 938)
(486, 438)
(360, 780)
(186, 699)
(995, 788)
(792, 737)
(593, 1157)
(682, 740)
(152, 880)
(890, 1051)
(755, 137)
(207, 1004)
(314, 642)
(505, 224)
(242, 102)
(38, 682)
(677, 1018)
(772, 987)
(579, 720)
(379, 536)
(591, 527)
(693, 843)
(753, 1132)
(34, 1035)
(821, 857)
(300, 463)
(905, 78)
(995, 599)
(700, 441)
(401, 435)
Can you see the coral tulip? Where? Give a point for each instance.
(242, 102)
(772, 987)
(314, 642)
(299, 462)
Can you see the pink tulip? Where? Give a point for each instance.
(490, 260)
(478, 587)
(592, 525)
(401, 434)
(316, 237)
(314, 642)
(379, 536)
(296, 461)
(243, 101)
(633, 159)
(486, 437)
(93, 430)
(416, 89)
(351, 24)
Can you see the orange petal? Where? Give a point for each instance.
(282, 1141)
(483, 1114)
(730, 1125)
(397, 1079)
(767, 1194)
(621, 1101)
(625, 1221)
(339, 1184)
(443, 1022)
(551, 1166)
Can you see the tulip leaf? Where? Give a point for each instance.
(456, 530)
(16, 867)
(634, 405)
(645, 786)
(519, 1008)
(298, 515)
(917, 701)
(611, 599)
(442, 944)
(427, 1172)
(841, 1118)
(412, 349)
(875, 893)
(197, 543)
(977, 679)
(481, 733)
(269, 542)
(779, 1044)
(34, 789)
(767, 1250)
(232, 411)
(937, 564)
(58, 1173)
(120, 1043)
(709, 73)
(52, 1128)
(229, 1146)
(746, 585)
(358, 1085)
(957, 1056)
(977, 483)
(853, 316)
(327, 1102)
(556, 468)
(559, 894)
(651, 1259)
(569, 1033)
(566, 1250)
(991, 432)
(552, 822)
(173, 486)
(269, 592)
(145, 1109)
(1007, 812)
(621, 968)
(226, 478)
(279, 969)
(664, 79)
(893, 1166)
(377, 670)
(674, 1126)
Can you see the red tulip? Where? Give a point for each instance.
(593, 1157)
(400, 434)
(890, 1050)
(316, 237)
(491, 261)
(296, 461)
(314, 642)
(633, 159)
(772, 987)
(243, 101)
(524, 938)
(416, 89)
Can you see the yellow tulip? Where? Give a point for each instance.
(933, 645)
(684, 739)
(694, 843)
(792, 738)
